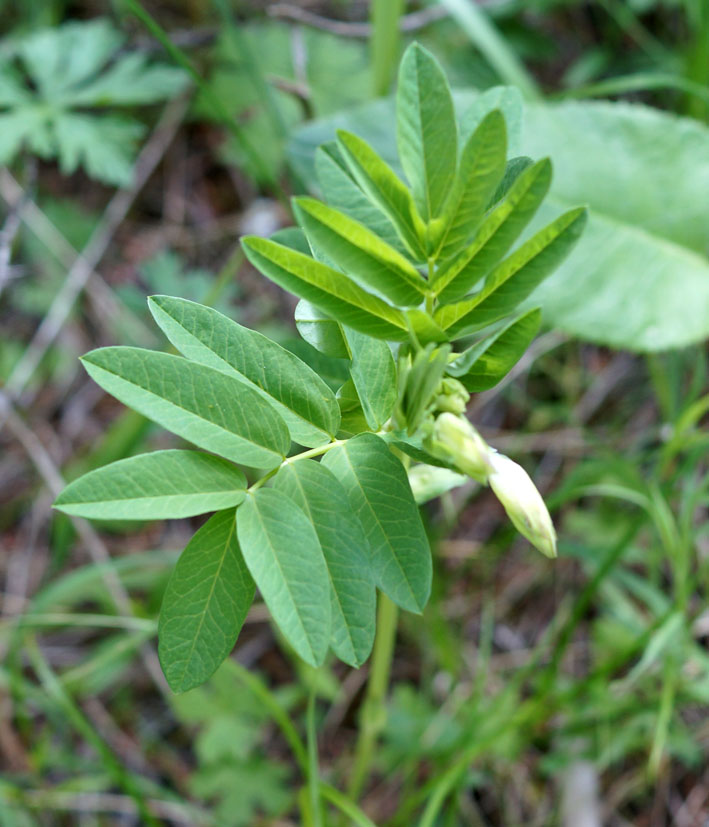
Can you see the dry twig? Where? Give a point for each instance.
(407, 23)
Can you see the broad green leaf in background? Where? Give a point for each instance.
(482, 365)
(341, 191)
(159, 486)
(358, 252)
(353, 597)
(300, 396)
(426, 130)
(205, 604)
(644, 175)
(328, 289)
(384, 188)
(482, 166)
(283, 554)
(320, 331)
(374, 375)
(514, 279)
(505, 99)
(380, 495)
(496, 234)
(639, 277)
(202, 405)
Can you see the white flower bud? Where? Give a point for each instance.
(455, 440)
(523, 503)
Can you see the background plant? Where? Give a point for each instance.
(542, 659)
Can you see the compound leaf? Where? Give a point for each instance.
(331, 291)
(374, 375)
(342, 191)
(283, 554)
(380, 495)
(482, 166)
(485, 363)
(385, 189)
(495, 235)
(205, 604)
(158, 486)
(300, 396)
(427, 133)
(202, 405)
(357, 251)
(353, 597)
(516, 277)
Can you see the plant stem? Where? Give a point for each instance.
(261, 691)
(373, 715)
(384, 43)
(313, 771)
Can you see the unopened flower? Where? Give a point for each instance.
(455, 440)
(523, 503)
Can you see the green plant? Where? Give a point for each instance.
(50, 77)
(593, 294)
(416, 290)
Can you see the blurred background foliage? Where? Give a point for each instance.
(574, 693)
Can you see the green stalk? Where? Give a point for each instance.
(54, 689)
(313, 770)
(698, 57)
(279, 715)
(373, 715)
(492, 45)
(384, 44)
(345, 806)
(180, 58)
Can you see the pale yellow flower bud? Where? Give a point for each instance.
(523, 503)
(455, 440)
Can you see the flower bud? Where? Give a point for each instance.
(452, 397)
(523, 503)
(429, 481)
(455, 440)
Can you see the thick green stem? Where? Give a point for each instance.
(373, 715)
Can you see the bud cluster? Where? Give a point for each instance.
(456, 441)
